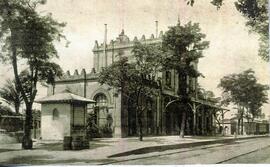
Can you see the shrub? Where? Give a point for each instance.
(106, 131)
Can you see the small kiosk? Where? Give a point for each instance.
(63, 114)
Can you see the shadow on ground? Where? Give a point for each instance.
(59, 146)
(161, 148)
(45, 160)
(7, 150)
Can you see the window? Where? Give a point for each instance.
(101, 107)
(101, 100)
(55, 114)
(168, 78)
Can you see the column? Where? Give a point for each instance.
(194, 118)
(203, 121)
(117, 116)
(158, 114)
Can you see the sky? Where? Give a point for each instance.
(232, 49)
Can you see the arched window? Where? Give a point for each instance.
(55, 114)
(101, 100)
(101, 107)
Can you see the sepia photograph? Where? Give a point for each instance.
(134, 82)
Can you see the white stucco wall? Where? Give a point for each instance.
(55, 129)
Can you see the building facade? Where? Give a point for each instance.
(163, 115)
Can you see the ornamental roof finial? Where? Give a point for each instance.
(122, 32)
(178, 20)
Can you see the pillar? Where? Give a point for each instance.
(163, 117)
(117, 116)
(158, 115)
(203, 121)
(212, 122)
(194, 118)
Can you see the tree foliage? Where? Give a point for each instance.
(256, 13)
(244, 91)
(183, 45)
(11, 95)
(29, 37)
(136, 75)
(208, 96)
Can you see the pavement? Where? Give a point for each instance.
(243, 151)
(102, 150)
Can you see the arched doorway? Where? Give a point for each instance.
(173, 117)
(101, 109)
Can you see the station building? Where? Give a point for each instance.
(163, 115)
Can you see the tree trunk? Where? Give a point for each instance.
(140, 128)
(238, 126)
(27, 139)
(242, 125)
(17, 108)
(183, 123)
(248, 127)
(139, 111)
(252, 121)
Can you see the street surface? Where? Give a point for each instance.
(255, 150)
(259, 156)
(243, 151)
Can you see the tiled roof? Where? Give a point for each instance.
(64, 97)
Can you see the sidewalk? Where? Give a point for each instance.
(101, 150)
(174, 142)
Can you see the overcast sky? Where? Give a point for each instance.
(232, 48)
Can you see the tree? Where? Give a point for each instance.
(257, 98)
(256, 13)
(183, 47)
(29, 37)
(135, 77)
(243, 91)
(10, 94)
(208, 96)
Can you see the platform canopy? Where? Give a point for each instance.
(64, 97)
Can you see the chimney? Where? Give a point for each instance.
(156, 29)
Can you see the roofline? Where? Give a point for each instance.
(202, 102)
(64, 101)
